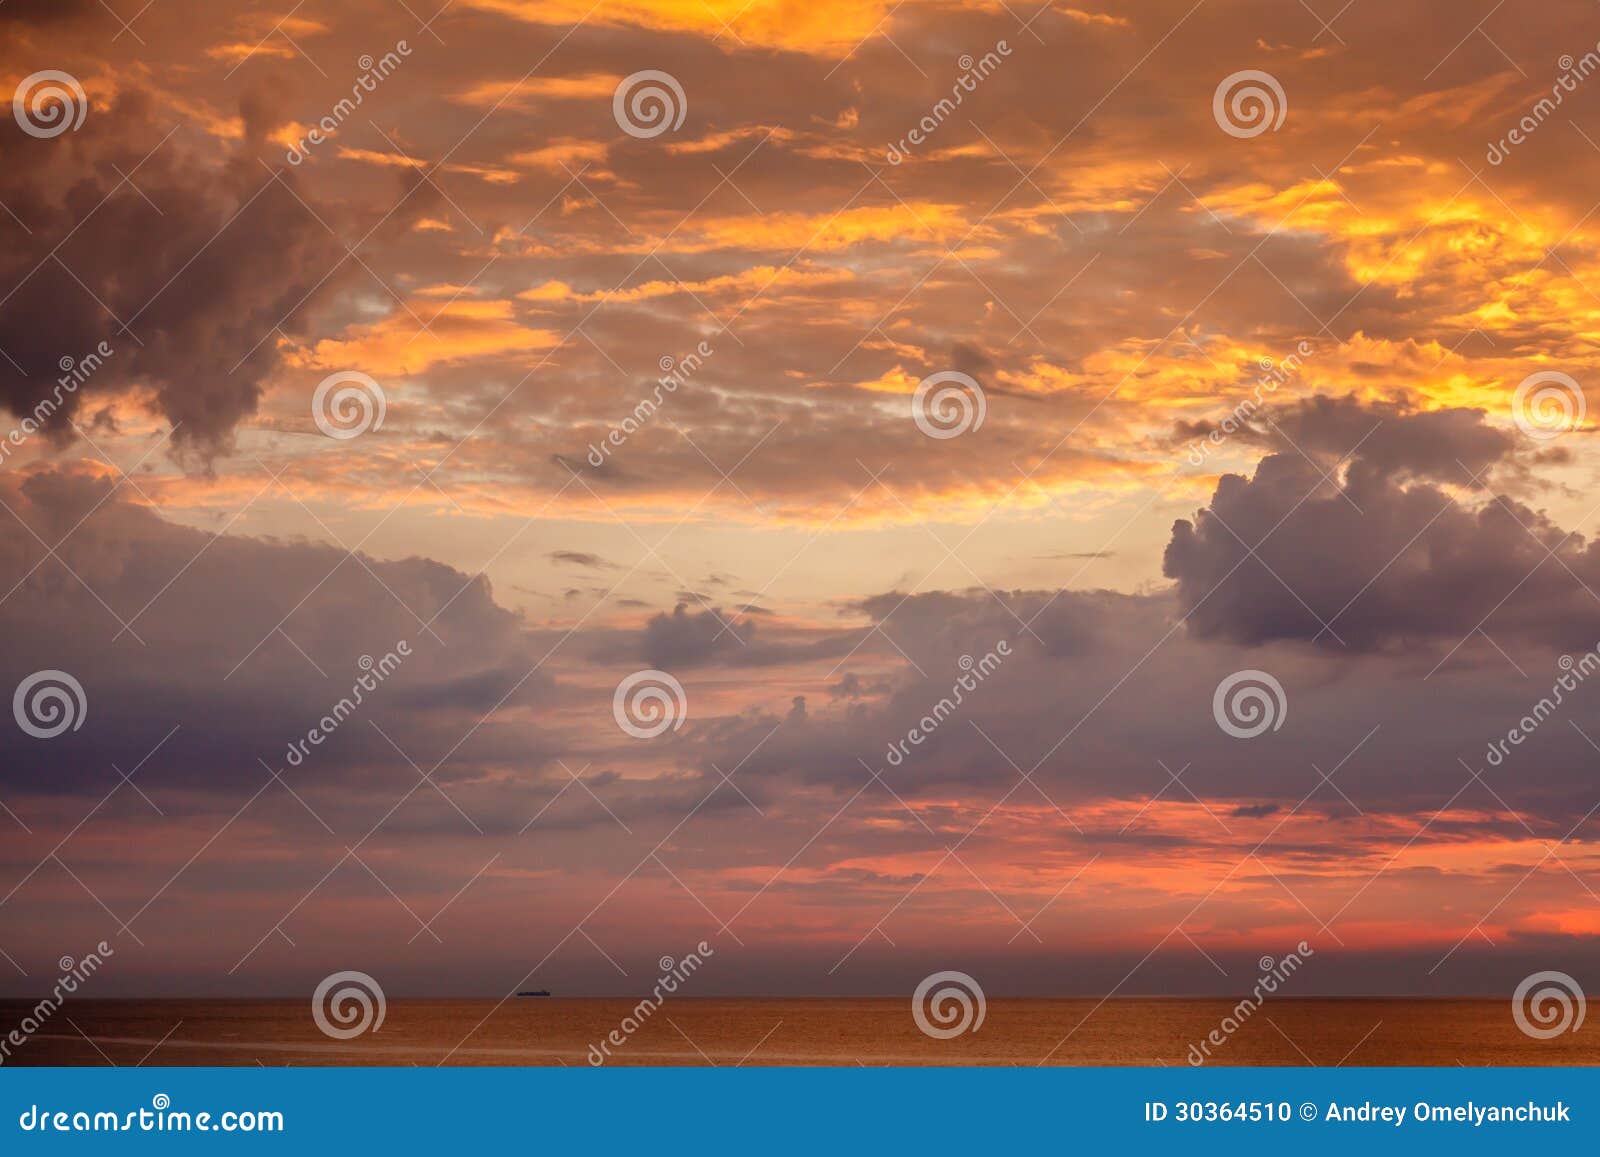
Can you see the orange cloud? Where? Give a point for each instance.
(460, 331)
(822, 232)
(564, 154)
(758, 280)
(534, 89)
(491, 173)
(823, 26)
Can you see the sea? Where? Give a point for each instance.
(868, 1031)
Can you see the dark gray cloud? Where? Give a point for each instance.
(581, 558)
(224, 621)
(230, 253)
(1070, 707)
(688, 638)
(1452, 446)
(243, 645)
(1388, 551)
(44, 12)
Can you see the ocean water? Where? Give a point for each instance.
(545, 1031)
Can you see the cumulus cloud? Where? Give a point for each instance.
(231, 256)
(1401, 545)
(242, 644)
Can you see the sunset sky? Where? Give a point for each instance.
(1254, 386)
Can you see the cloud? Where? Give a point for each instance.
(685, 638)
(1387, 554)
(581, 558)
(1449, 445)
(833, 25)
(1053, 756)
(412, 340)
(1374, 534)
(230, 254)
(240, 644)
